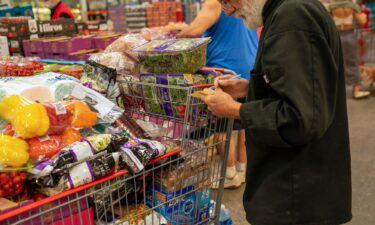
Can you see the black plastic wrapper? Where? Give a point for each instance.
(137, 153)
(130, 126)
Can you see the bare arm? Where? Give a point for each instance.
(207, 17)
(361, 18)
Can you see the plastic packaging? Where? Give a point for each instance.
(126, 43)
(19, 66)
(172, 55)
(122, 63)
(171, 101)
(81, 114)
(43, 148)
(58, 116)
(92, 169)
(28, 119)
(13, 151)
(12, 183)
(70, 136)
(138, 152)
(130, 126)
(61, 87)
(225, 218)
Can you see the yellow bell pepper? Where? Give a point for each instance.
(13, 151)
(10, 104)
(31, 121)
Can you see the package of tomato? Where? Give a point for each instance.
(12, 183)
(58, 116)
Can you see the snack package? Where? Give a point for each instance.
(77, 152)
(101, 79)
(92, 169)
(42, 148)
(79, 174)
(131, 127)
(138, 152)
(171, 56)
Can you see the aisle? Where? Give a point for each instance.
(362, 134)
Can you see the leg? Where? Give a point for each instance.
(241, 155)
(351, 61)
(232, 179)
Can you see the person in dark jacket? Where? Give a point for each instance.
(59, 9)
(295, 116)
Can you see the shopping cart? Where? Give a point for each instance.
(173, 189)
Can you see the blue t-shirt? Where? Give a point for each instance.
(233, 46)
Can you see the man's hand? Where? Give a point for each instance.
(222, 104)
(237, 88)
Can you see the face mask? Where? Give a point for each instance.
(251, 13)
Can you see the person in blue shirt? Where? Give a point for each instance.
(233, 46)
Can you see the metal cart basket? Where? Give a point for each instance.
(184, 186)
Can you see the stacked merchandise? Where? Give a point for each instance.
(161, 13)
(19, 66)
(68, 48)
(18, 29)
(136, 18)
(118, 17)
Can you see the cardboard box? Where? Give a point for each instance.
(189, 209)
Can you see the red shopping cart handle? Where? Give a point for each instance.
(50, 199)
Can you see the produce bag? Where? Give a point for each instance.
(43, 148)
(172, 56)
(60, 87)
(126, 43)
(122, 63)
(13, 151)
(28, 119)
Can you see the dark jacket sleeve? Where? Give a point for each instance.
(301, 72)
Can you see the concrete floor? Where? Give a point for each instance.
(362, 135)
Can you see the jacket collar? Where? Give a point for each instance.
(269, 7)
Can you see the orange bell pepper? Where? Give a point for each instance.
(82, 116)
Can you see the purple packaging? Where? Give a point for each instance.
(102, 43)
(172, 100)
